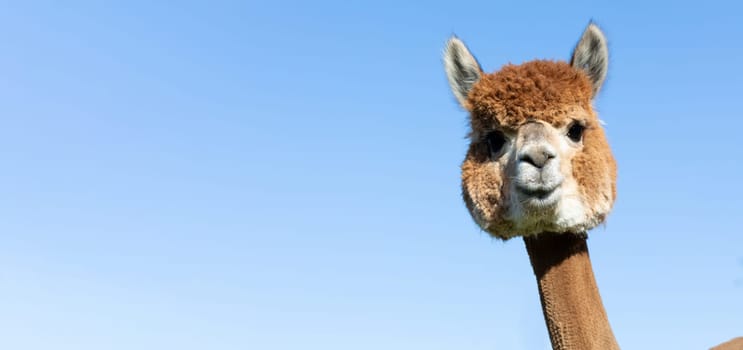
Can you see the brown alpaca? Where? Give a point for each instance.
(733, 344)
(539, 166)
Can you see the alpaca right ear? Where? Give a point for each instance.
(462, 69)
(591, 55)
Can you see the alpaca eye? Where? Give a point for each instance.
(575, 132)
(496, 140)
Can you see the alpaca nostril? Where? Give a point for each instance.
(526, 158)
(537, 157)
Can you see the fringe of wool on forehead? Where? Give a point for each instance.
(542, 89)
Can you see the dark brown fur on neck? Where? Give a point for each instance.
(571, 303)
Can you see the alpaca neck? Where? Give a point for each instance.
(571, 303)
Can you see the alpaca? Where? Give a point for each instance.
(539, 166)
(733, 344)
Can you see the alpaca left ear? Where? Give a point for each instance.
(462, 69)
(591, 55)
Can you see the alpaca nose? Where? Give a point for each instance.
(537, 155)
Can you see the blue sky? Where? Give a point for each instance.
(285, 175)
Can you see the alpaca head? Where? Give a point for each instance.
(538, 160)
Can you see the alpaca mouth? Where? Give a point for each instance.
(536, 192)
(539, 193)
(538, 197)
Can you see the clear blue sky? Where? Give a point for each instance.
(285, 175)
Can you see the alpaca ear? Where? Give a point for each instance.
(591, 55)
(462, 69)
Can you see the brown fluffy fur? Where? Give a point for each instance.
(733, 344)
(553, 92)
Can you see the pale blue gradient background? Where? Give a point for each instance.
(284, 175)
